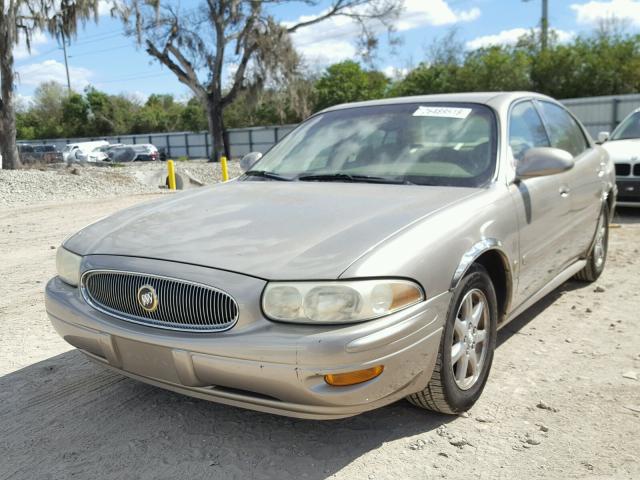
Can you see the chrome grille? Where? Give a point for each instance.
(181, 305)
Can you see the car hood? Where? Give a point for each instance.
(623, 149)
(271, 230)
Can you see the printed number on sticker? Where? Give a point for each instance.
(448, 112)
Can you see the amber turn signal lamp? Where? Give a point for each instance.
(353, 378)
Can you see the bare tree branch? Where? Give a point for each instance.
(201, 43)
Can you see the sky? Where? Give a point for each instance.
(104, 57)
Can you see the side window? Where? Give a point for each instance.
(526, 129)
(563, 129)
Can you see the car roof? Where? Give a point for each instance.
(494, 99)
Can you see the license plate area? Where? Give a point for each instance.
(147, 360)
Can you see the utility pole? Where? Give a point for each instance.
(544, 25)
(66, 61)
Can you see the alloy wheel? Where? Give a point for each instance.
(470, 339)
(600, 247)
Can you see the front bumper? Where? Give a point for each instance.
(628, 192)
(262, 365)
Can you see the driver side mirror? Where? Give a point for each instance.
(249, 160)
(543, 161)
(603, 137)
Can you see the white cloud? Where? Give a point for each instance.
(594, 11)
(334, 39)
(21, 51)
(510, 37)
(51, 70)
(23, 102)
(395, 73)
(418, 13)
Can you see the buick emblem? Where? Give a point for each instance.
(147, 298)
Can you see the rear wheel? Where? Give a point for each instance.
(598, 254)
(466, 347)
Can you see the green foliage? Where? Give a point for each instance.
(75, 115)
(348, 82)
(606, 63)
(193, 117)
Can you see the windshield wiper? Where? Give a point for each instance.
(347, 177)
(266, 174)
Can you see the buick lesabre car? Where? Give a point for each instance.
(623, 146)
(369, 256)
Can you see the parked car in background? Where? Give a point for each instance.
(30, 154)
(371, 255)
(623, 145)
(80, 151)
(96, 155)
(133, 153)
(145, 153)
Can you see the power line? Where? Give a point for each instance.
(99, 51)
(140, 77)
(98, 39)
(101, 34)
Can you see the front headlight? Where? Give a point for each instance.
(68, 266)
(338, 302)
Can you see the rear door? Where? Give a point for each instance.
(584, 181)
(540, 205)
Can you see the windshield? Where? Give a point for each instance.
(629, 128)
(423, 143)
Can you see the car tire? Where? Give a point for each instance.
(598, 254)
(451, 390)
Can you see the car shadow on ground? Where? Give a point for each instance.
(514, 327)
(67, 416)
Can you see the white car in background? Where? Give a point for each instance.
(81, 152)
(623, 146)
(98, 154)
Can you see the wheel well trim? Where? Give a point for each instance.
(475, 252)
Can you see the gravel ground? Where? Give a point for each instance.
(562, 401)
(57, 183)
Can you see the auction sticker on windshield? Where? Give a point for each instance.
(448, 112)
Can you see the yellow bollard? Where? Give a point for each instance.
(172, 174)
(225, 170)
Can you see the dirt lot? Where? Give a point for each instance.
(563, 399)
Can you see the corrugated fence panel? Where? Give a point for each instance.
(602, 113)
(596, 113)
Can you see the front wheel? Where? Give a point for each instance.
(598, 255)
(466, 347)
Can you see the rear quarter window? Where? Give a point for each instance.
(564, 131)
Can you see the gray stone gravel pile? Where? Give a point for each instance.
(59, 183)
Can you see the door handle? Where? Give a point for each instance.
(564, 191)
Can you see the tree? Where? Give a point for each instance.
(240, 37)
(348, 82)
(48, 109)
(75, 115)
(19, 19)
